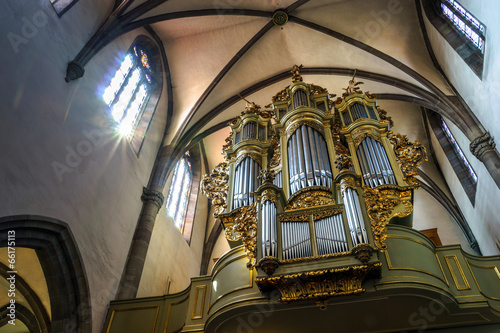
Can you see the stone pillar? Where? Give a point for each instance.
(483, 147)
(153, 200)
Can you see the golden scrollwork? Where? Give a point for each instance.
(320, 285)
(318, 90)
(269, 195)
(310, 123)
(337, 144)
(281, 96)
(294, 218)
(410, 156)
(257, 158)
(245, 225)
(347, 182)
(326, 213)
(383, 116)
(310, 198)
(357, 139)
(215, 187)
(382, 205)
(229, 142)
(276, 159)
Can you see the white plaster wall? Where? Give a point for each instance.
(170, 257)
(428, 212)
(483, 218)
(42, 118)
(480, 95)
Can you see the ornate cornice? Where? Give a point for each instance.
(152, 196)
(320, 285)
(481, 145)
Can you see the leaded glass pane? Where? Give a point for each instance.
(128, 91)
(179, 192)
(465, 22)
(458, 150)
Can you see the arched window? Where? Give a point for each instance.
(129, 91)
(179, 192)
(62, 6)
(462, 30)
(458, 161)
(465, 22)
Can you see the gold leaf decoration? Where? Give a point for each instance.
(410, 156)
(310, 198)
(317, 90)
(281, 96)
(245, 225)
(320, 285)
(383, 116)
(379, 208)
(276, 159)
(215, 187)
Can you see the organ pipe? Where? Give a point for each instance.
(374, 163)
(246, 182)
(308, 158)
(269, 233)
(354, 216)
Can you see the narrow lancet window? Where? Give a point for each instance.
(179, 192)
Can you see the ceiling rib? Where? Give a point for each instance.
(219, 77)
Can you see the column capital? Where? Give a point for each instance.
(481, 145)
(152, 196)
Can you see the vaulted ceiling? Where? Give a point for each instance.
(215, 50)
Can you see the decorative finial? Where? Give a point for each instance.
(352, 88)
(267, 176)
(251, 107)
(296, 73)
(343, 162)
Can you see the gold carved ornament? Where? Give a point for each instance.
(252, 108)
(357, 139)
(337, 144)
(276, 159)
(380, 207)
(410, 156)
(310, 199)
(245, 228)
(296, 73)
(310, 123)
(229, 142)
(383, 116)
(281, 96)
(352, 87)
(269, 195)
(215, 187)
(343, 162)
(318, 90)
(320, 285)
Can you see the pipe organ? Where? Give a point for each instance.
(311, 185)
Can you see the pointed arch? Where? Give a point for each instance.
(62, 266)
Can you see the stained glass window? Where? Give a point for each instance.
(128, 91)
(62, 6)
(179, 191)
(458, 150)
(465, 22)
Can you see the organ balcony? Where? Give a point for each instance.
(316, 198)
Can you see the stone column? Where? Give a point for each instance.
(483, 147)
(153, 200)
